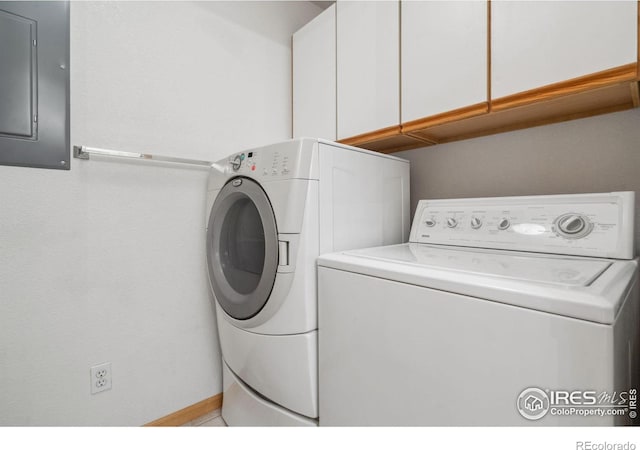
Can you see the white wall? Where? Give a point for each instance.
(106, 262)
(596, 154)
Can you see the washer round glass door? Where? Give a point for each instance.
(242, 248)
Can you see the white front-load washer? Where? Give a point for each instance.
(272, 211)
(499, 311)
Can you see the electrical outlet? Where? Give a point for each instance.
(100, 377)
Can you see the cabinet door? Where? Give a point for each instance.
(534, 44)
(314, 77)
(444, 56)
(368, 66)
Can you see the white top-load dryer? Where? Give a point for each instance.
(499, 311)
(272, 211)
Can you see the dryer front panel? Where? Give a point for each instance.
(242, 248)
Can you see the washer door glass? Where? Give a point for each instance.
(242, 248)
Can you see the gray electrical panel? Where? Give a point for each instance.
(34, 84)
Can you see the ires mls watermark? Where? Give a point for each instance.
(534, 403)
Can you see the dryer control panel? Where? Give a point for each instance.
(289, 160)
(599, 225)
(245, 162)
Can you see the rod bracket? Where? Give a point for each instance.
(79, 153)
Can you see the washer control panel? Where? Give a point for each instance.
(580, 224)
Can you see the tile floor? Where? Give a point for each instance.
(212, 419)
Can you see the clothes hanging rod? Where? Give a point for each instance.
(84, 152)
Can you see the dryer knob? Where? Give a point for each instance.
(452, 222)
(236, 163)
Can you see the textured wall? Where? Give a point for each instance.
(106, 262)
(596, 154)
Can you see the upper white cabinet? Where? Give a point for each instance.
(391, 75)
(314, 77)
(444, 56)
(368, 66)
(537, 43)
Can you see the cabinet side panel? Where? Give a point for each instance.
(314, 77)
(364, 200)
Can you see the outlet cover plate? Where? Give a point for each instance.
(100, 377)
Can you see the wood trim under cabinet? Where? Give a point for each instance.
(376, 135)
(387, 140)
(392, 143)
(635, 94)
(600, 93)
(189, 413)
(619, 74)
(612, 98)
(449, 116)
